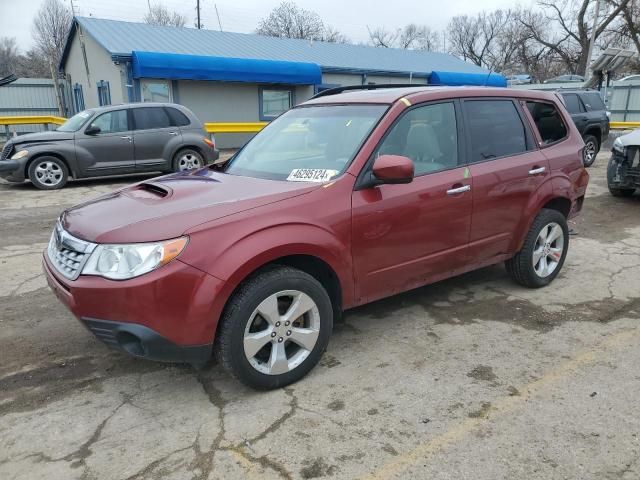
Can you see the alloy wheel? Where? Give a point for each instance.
(548, 249)
(189, 161)
(281, 332)
(589, 152)
(49, 173)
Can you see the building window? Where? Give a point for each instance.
(155, 91)
(78, 97)
(274, 101)
(104, 93)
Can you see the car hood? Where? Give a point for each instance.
(630, 139)
(40, 137)
(166, 207)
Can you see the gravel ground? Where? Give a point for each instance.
(471, 378)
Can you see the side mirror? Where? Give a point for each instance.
(393, 169)
(92, 130)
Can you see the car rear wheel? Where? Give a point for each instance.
(48, 173)
(591, 149)
(543, 252)
(187, 159)
(274, 328)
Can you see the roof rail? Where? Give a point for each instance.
(374, 86)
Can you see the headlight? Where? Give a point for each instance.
(20, 154)
(618, 146)
(120, 262)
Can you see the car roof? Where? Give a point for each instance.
(120, 106)
(425, 93)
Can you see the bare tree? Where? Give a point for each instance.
(50, 28)
(288, 20)
(159, 15)
(410, 37)
(565, 27)
(8, 56)
(630, 28)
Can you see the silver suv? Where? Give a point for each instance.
(113, 140)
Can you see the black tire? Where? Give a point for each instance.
(591, 144)
(615, 190)
(192, 155)
(48, 173)
(521, 268)
(229, 344)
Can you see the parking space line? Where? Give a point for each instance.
(500, 408)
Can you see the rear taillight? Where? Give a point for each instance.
(211, 143)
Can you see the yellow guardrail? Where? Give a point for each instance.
(624, 125)
(234, 127)
(31, 120)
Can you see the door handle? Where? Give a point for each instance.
(126, 137)
(173, 133)
(537, 170)
(457, 190)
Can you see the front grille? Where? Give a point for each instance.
(68, 253)
(6, 151)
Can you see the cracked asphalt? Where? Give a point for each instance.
(470, 378)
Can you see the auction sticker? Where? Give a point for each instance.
(311, 175)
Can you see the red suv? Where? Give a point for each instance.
(350, 197)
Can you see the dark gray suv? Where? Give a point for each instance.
(113, 140)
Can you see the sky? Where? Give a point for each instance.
(351, 17)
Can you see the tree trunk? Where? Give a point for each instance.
(56, 88)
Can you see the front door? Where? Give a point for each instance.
(407, 235)
(507, 169)
(152, 135)
(109, 151)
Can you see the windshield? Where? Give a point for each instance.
(308, 143)
(75, 122)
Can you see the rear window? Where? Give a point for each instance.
(548, 121)
(496, 129)
(178, 119)
(593, 101)
(151, 117)
(572, 103)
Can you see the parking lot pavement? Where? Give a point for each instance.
(473, 377)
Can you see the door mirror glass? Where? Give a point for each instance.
(393, 169)
(92, 130)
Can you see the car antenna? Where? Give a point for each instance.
(486, 80)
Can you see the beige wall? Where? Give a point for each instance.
(101, 67)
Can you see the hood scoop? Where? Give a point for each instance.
(148, 191)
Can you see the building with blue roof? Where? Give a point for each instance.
(225, 76)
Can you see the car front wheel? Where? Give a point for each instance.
(275, 328)
(48, 173)
(543, 252)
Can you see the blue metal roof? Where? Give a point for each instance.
(122, 38)
(178, 66)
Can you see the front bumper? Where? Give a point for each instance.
(165, 315)
(11, 170)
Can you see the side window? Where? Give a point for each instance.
(573, 103)
(496, 129)
(178, 119)
(147, 118)
(112, 122)
(593, 101)
(548, 121)
(428, 135)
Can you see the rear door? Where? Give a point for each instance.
(577, 110)
(111, 150)
(153, 132)
(507, 169)
(407, 235)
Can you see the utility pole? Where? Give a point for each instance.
(593, 39)
(198, 25)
